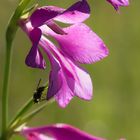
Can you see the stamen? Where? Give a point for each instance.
(56, 28)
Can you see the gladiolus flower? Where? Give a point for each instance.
(77, 44)
(117, 3)
(57, 132)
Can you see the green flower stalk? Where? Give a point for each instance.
(10, 35)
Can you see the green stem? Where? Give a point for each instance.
(30, 115)
(10, 35)
(5, 92)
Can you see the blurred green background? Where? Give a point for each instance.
(115, 110)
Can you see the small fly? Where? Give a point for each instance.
(37, 96)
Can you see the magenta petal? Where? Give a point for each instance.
(80, 84)
(78, 12)
(64, 95)
(83, 85)
(82, 44)
(34, 58)
(58, 86)
(55, 83)
(57, 132)
(75, 80)
(44, 14)
(117, 3)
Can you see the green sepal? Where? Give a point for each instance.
(13, 22)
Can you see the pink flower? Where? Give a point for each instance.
(117, 3)
(57, 132)
(77, 44)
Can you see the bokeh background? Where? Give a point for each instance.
(115, 110)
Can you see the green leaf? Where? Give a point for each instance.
(21, 112)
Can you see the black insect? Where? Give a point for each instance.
(37, 96)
